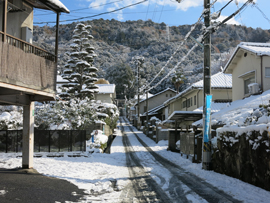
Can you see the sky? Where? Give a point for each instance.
(168, 11)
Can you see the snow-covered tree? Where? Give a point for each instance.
(79, 70)
(178, 79)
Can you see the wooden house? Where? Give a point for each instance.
(27, 72)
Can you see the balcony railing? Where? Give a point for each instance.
(27, 47)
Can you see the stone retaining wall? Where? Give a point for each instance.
(246, 157)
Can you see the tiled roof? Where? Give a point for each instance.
(106, 88)
(219, 80)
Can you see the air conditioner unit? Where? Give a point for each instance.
(27, 34)
(253, 88)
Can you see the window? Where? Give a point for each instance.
(247, 82)
(267, 71)
(145, 108)
(195, 100)
(184, 104)
(166, 95)
(188, 103)
(191, 101)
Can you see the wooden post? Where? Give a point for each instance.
(28, 136)
(4, 23)
(206, 163)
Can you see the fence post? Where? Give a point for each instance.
(85, 140)
(71, 141)
(49, 141)
(6, 141)
(59, 140)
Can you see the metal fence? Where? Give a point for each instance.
(44, 140)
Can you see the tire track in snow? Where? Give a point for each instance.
(196, 184)
(145, 189)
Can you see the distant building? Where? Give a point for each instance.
(106, 92)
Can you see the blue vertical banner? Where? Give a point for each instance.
(207, 120)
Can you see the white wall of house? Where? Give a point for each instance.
(105, 98)
(156, 100)
(17, 20)
(196, 95)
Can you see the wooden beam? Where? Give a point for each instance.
(22, 100)
(26, 90)
(4, 23)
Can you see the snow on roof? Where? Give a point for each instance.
(154, 110)
(215, 107)
(144, 96)
(219, 80)
(237, 112)
(168, 89)
(260, 49)
(59, 4)
(106, 88)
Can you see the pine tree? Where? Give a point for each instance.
(178, 79)
(79, 70)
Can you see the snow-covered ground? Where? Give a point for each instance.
(96, 172)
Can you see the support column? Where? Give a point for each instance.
(28, 136)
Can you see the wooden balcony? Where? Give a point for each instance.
(26, 68)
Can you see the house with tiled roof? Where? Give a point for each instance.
(154, 101)
(250, 69)
(192, 98)
(106, 93)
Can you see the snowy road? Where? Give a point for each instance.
(139, 170)
(174, 183)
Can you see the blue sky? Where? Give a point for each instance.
(168, 11)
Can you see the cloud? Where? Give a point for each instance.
(231, 21)
(184, 5)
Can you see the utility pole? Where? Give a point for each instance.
(206, 159)
(147, 126)
(138, 82)
(138, 60)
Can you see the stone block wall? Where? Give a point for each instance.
(246, 157)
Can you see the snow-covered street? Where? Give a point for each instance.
(139, 170)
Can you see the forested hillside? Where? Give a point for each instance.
(117, 42)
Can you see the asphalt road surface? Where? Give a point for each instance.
(181, 184)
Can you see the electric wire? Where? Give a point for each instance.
(161, 12)
(130, 5)
(186, 37)
(263, 14)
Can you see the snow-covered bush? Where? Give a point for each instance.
(75, 114)
(11, 118)
(99, 144)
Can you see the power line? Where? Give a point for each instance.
(96, 14)
(263, 14)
